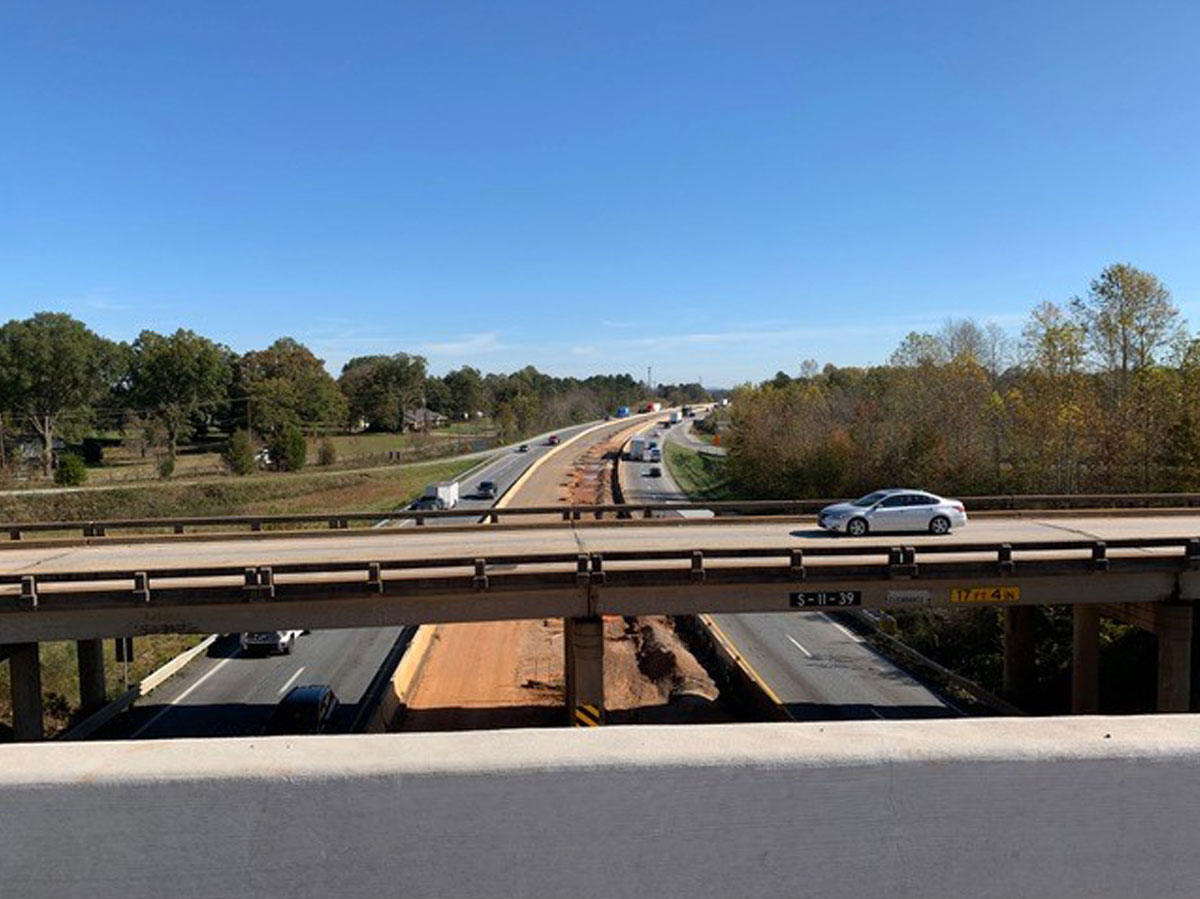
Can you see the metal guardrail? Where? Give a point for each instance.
(796, 507)
(470, 573)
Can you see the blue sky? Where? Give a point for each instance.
(719, 190)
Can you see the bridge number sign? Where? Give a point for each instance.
(985, 594)
(823, 598)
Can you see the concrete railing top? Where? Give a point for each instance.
(991, 809)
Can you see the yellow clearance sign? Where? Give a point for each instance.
(985, 594)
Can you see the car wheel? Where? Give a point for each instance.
(940, 525)
(857, 527)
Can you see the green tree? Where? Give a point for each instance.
(178, 377)
(1128, 318)
(287, 384)
(51, 366)
(289, 449)
(239, 453)
(379, 388)
(467, 393)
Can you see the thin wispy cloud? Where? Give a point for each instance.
(488, 342)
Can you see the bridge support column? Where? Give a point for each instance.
(1173, 625)
(92, 690)
(26, 673)
(1019, 672)
(1085, 660)
(583, 642)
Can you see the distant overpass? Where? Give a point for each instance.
(578, 572)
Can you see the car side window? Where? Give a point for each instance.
(893, 501)
(919, 499)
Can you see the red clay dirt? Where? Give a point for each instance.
(510, 673)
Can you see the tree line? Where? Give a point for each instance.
(59, 379)
(1098, 394)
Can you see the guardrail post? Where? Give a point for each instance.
(256, 525)
(598, 576)
(141, 586)
(1099, 556)
(26, 673)
(1085, 659)
(480, 581)
(14, 534)
(797, 564)
(582, 578)
(375, 577)
(29, 598)
(1004, 559)
(178, 529)
(698, 567)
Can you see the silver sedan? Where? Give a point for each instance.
(894, 510)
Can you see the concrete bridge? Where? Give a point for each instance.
(1143, 569)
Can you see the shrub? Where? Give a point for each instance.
(289, 449)
(326, 452)
(166, 466)
(71, 471)
(239, 453)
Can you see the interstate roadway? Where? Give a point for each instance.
(816, 667)
(228, 693)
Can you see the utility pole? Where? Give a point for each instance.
(649, 379)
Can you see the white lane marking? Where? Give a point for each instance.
(798, 645)
(291, 680)
(182, 696)
(845, 630)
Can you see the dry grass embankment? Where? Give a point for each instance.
(377, 490)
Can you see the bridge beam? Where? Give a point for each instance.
(1085, 660)
(1174, 630)
(583, 643)
(92, 688)
(1020, 677)
(26, 674)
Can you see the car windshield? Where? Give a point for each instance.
(870, 499)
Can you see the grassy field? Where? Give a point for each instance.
(368, 490)
(375, 490)
(700, 475)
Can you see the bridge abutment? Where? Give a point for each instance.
(1085, 659)
(583, 643)
(25, 669)
(1173, 625)
(92, 688)
(1019, 672)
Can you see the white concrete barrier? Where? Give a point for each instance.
(1080, 807)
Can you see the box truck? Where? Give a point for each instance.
(637, 449)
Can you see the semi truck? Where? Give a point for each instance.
(637, 449)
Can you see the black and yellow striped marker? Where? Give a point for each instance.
(588, 716)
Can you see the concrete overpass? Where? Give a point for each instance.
(581, 570)
(984, 808)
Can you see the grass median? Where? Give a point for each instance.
(700, 475)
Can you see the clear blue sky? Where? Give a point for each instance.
(719, 190)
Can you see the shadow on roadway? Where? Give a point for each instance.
(224, 647)
(447, 718)
(817, 711)
(222, 719)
